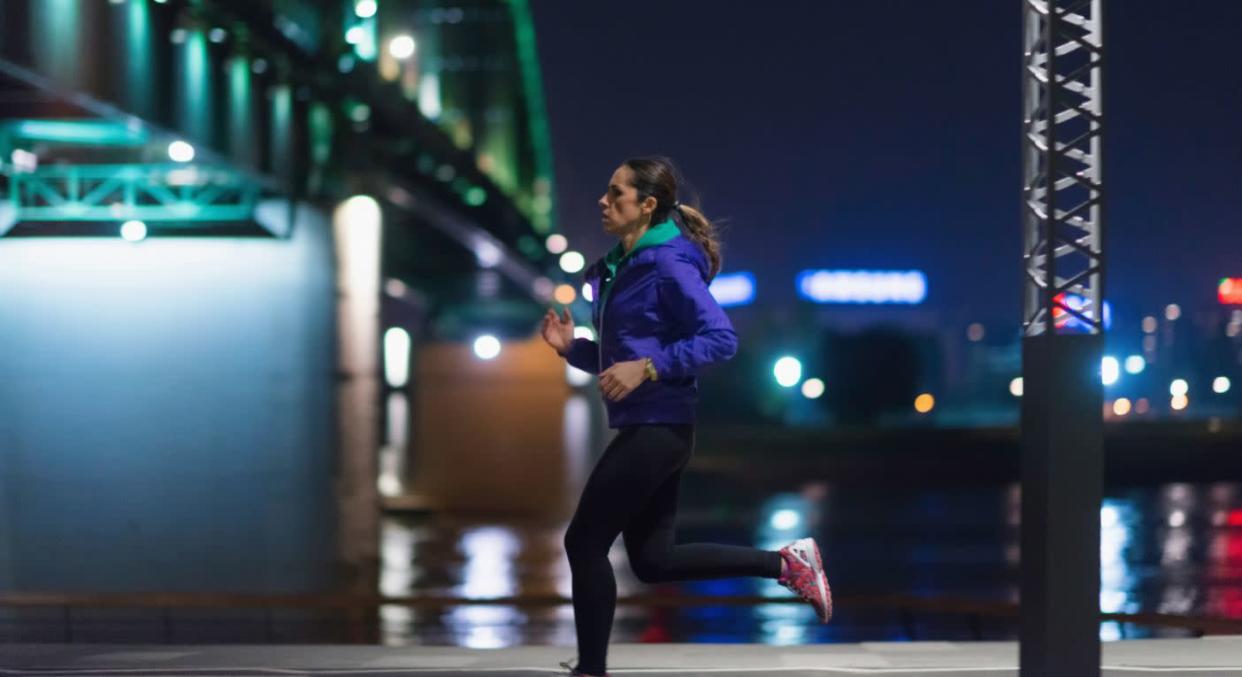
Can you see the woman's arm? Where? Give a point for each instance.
(583, 354)
(688, 305)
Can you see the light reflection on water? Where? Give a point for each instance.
(1176, 549)
(1116, 580)
(491, 552)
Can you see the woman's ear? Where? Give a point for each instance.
(648, 206)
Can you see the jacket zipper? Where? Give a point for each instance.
(600, 353)
(603, 307)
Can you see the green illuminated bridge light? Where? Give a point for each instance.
(84, 132)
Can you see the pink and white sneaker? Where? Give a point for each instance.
(804, 575)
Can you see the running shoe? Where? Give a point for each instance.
(804, 575)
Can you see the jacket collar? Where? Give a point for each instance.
(656, 235)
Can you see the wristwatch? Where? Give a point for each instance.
(649, 368)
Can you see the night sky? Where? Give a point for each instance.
(885, 134)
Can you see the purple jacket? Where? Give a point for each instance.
(657, 306)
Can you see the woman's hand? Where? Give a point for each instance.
(559, 333)
(622, 378)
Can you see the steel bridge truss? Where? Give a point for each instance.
(152, 193)
(1063, 190)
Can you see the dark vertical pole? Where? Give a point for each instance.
(1062, 469)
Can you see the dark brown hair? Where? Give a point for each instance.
(656, 177)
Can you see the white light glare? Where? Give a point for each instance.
(487, 254)
(180, 151)
(134, 231)
(487, 347)
(572, 262)
(401, 47)
(785, 519)
(788, 371)
(1110, 370)
(397, 357)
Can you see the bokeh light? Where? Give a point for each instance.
(924, 403)
(788, 371)
(486, 347)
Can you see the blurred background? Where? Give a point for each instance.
(271, 274)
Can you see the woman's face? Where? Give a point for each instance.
(620, 210)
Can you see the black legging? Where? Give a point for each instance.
(633, 490)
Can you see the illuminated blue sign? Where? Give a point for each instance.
(734, 289)
(863, 286)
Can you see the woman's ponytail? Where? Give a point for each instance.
(703, 232)
(656, 176)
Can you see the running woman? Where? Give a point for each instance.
(657, 326)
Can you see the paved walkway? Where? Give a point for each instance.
(1206, 657)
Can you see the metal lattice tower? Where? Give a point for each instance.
(1063, 325)
(1063, 187)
